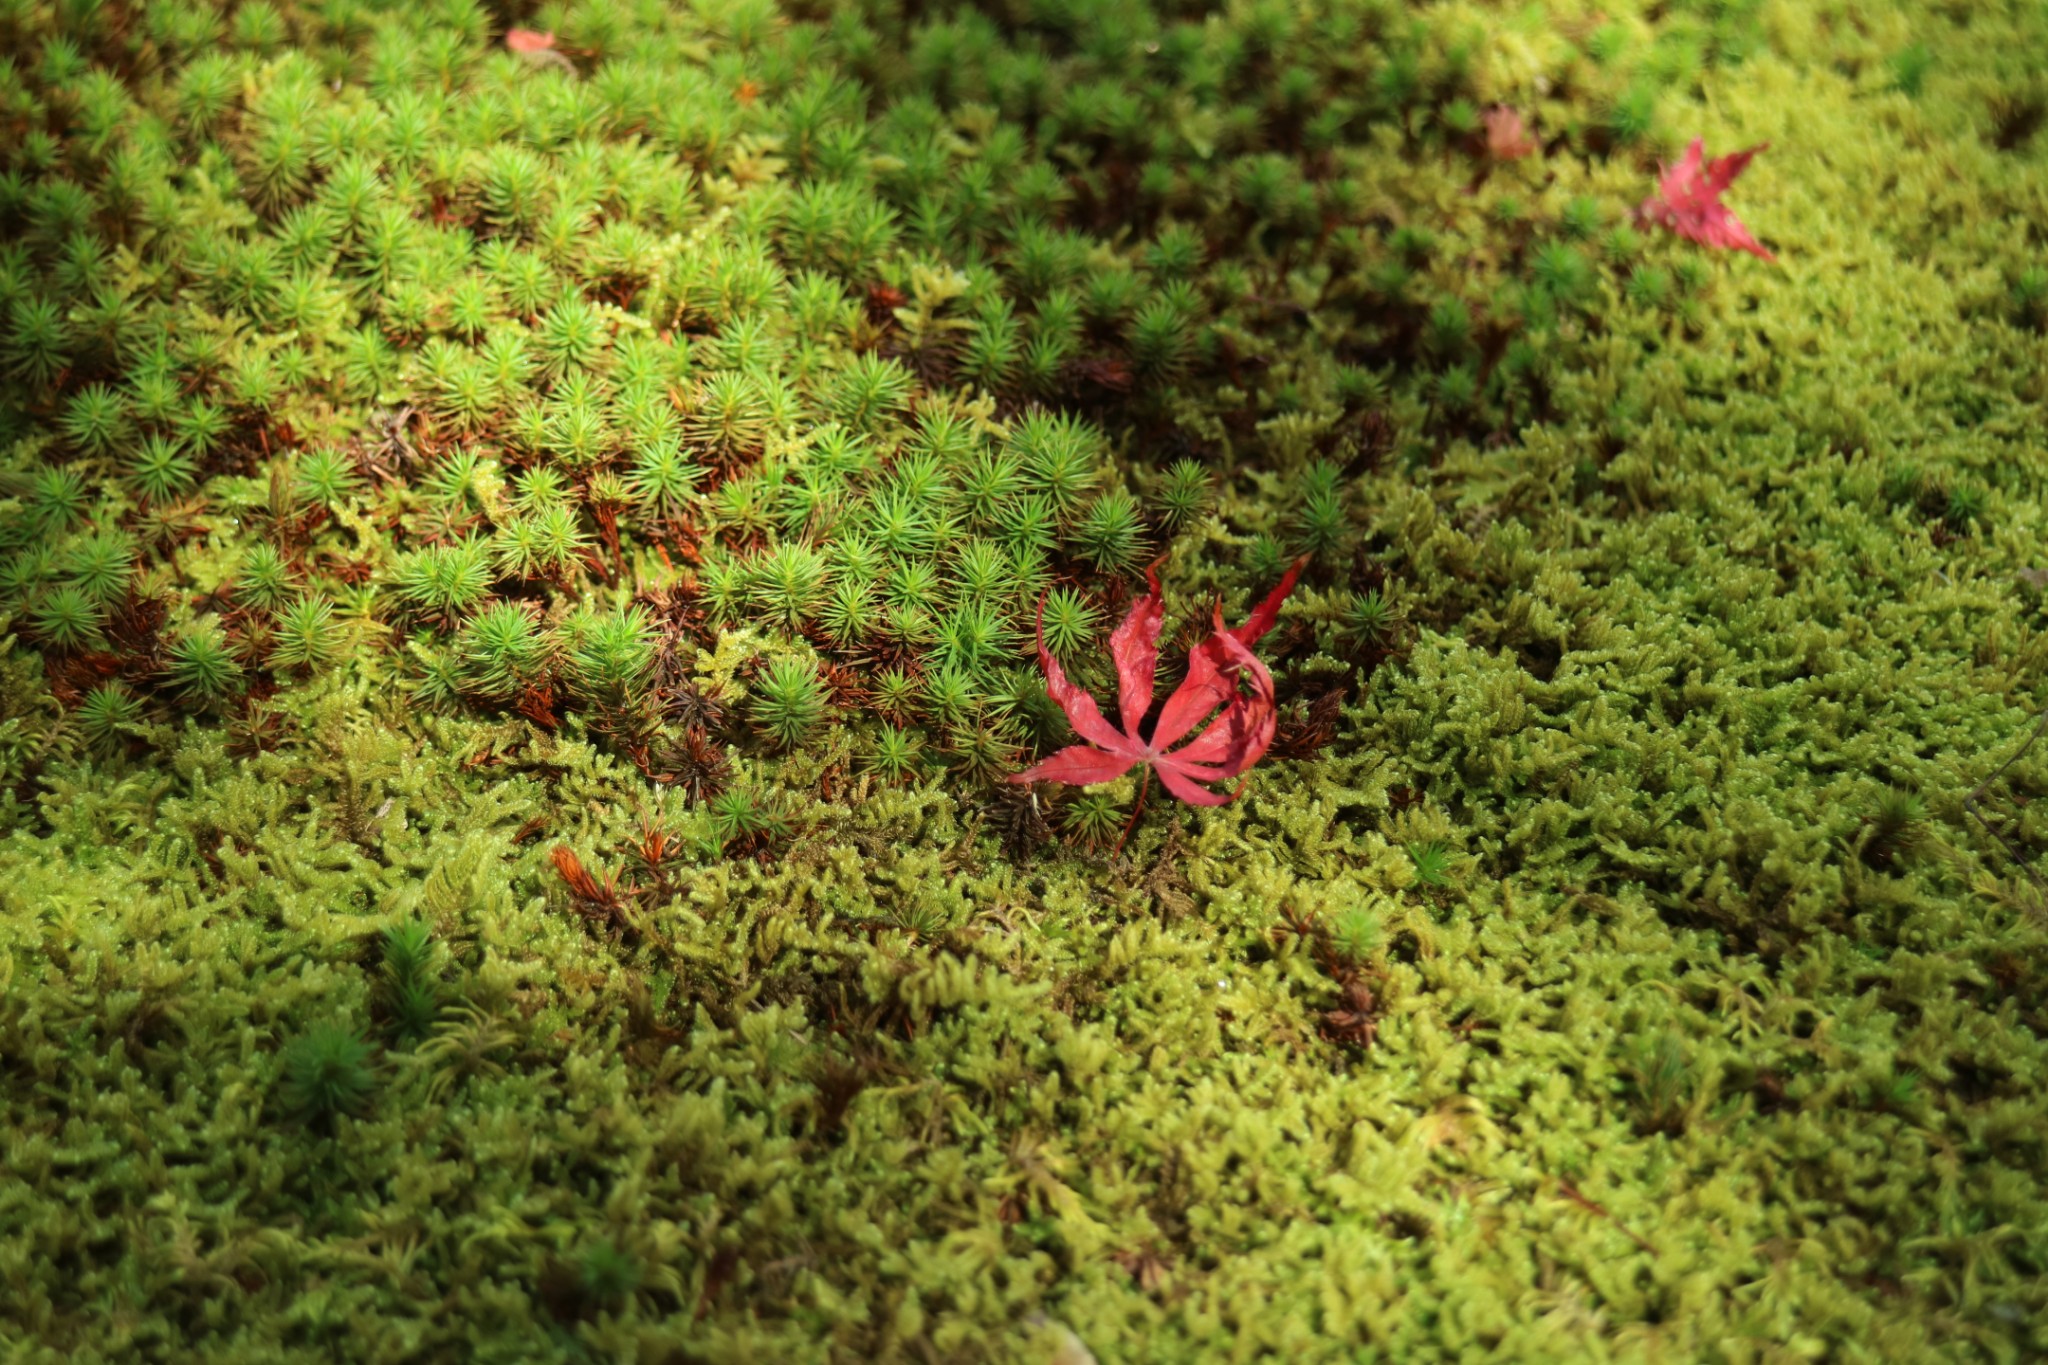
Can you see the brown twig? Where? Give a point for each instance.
(1970, 802)
(1571, 1193)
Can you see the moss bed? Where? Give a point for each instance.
(520, 537)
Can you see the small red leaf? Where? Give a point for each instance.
(1236, 737)
(1506, 138)
(1688, 200)
(526, 40)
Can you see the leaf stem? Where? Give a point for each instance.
(1144, 785)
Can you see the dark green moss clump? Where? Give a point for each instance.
(327, 1074)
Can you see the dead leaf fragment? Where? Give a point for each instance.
(537, 47)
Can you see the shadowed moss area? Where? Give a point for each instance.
(519, 573)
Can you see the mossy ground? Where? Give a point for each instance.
(519, 570)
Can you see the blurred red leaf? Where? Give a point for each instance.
(1688, 200)
(1506, 138)
(525, 40)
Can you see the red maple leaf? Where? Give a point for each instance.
(1507, 138)
(526, 40)
(1688, 200)
(1231, 743)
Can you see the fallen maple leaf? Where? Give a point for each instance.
(1506, 137)
(1688, 200)
(1232, 742)
(537, 49)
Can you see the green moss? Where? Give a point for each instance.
(533, 561)
(326, 1075)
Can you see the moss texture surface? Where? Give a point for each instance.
(519, 571)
